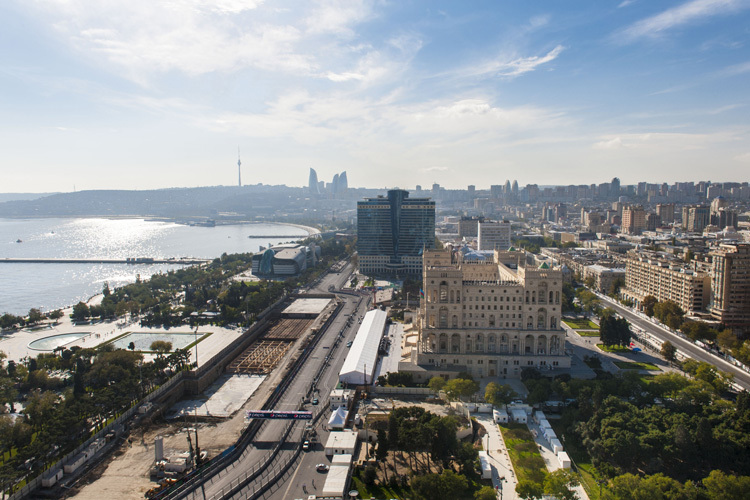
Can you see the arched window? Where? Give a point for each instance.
(455, 343)
(453, 297)
(528, 344)
(443, 342)
(527, 296)
(554, 345)
(553, 323)
(503, 343)
(542, 292)
(468, 345)
(541, 320)
(443, 292)
(550, 297)
(541, 345)
(533, 297)
(458, 296)
(455, 321)
(443, 317)
(492, 320)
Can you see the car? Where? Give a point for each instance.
(306, 445)
(349, 344)
(315, 401)
(322, 468)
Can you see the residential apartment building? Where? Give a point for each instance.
(488, 318)
(633, 220)
(392, 232)
(730, 285)
(695, 219)
(468, 226)
(652, 273)
(665, 211)
(604, 277)
(494, 236)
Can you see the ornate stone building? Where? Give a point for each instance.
(489, 318)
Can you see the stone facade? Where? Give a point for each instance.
(490, 319)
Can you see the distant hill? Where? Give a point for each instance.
(22, 196)
(173, 203)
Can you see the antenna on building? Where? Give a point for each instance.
(239, 168)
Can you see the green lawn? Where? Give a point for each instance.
(524, 452)
(613, 348)
(588, 333)
(636, 365)
(580, 324)
(583, 463)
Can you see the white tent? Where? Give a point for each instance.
(363, 355)
(338, 419)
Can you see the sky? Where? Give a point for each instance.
(143, 94)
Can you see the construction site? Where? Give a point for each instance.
(178, 433)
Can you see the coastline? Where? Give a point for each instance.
(155, 218)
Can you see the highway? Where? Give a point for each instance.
(265, 467)
(741, 377)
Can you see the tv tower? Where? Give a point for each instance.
(239, 168)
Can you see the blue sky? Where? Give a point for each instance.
(146, 94)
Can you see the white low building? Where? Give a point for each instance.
(339, 397)
(484, 463)
(500, 416)
(359, 366)
(341, 442)
(519, 416)
(336, 481)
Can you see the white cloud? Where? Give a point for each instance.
(434, 169)
(625, 3)
(511, 68)
(525, 64)
(667, 141)
(744, 158)
(689, 12)
(141, 39)
(614, 143)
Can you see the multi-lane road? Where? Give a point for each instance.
(741, 377)
(273, 465)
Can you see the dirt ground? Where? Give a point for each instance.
(125, 473)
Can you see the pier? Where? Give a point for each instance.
(130, 260)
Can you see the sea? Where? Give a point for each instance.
(50, 286)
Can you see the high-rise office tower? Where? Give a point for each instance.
(392, 232)
(313, 182)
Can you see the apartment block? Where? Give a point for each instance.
(653, 273)
(730, 284)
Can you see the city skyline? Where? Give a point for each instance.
(143, 96)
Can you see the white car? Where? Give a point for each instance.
(322, 468)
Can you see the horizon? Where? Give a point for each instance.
(145, 95)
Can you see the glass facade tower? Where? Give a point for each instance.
(392, 231)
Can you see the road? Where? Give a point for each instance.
(267, 444)
(741, 377)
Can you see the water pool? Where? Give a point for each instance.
(54, 341)
(143, 340)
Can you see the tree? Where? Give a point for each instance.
(80, 312)
(436, 383)
(669, 351)
(35, 315)
(699, 330)
(56, 315)
(649, 301)
(589, 301)
(529, 490)
(485, 493)
(497, 394)
(457, 388)
(669, 313)
(161, 346)
(560, 484)
(131, 346)
(721, 486)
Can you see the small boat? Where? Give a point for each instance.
(19, 241)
